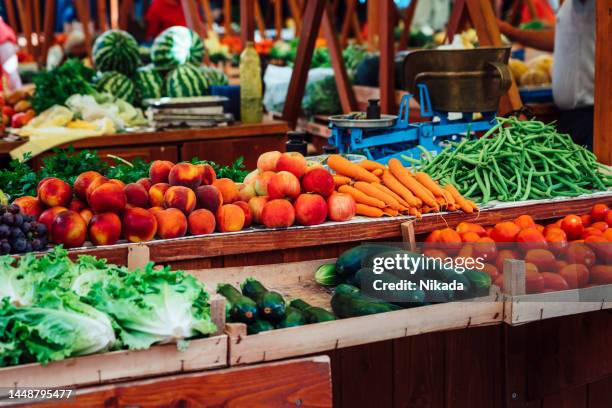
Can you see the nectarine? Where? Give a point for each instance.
(105, 229)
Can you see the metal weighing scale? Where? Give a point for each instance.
(461, 81)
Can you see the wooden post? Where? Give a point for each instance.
(114, 14)
(407, 18)
(387, 63)
(514, 277)
(26, 28)
(10, 13)
(125, 11)
(48, 28)
(227, 16)
(278, 18)
(347, 22)
(261, 25)
(373, 31)
(296, 13)
(247, 21)
(345, 90)
(101, 12)
(311, 22)
(207, 14)
(192, 17)
(602, 129)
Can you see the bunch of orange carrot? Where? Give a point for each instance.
(394, 189)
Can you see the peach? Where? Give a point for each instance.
(180, 197)
(159, 171)
(76, 205)
(228, 189)
(230, 218)
(257, 205)
(87, 214)
(41, 182)
(311, 165)
(30, 206)
(248, 214)
(54, 192)
(208, 173)
(267, 161)
(171, 223)
(47, 216)
(341, 207)
(283, 185)
(209, 197)
(201, 222)
(310, 209)
(250, 178)
(95, 183)
(156, 194)
(261, 182)
(108, 197)
(318, 180)
(117, 182)
(69, 229)
(145, 182)
(82, 182)
(293, 162)
(185, 174)
(139, 225)
(105, 229)
(155, 210)
(136, 195)
(246, 192)
(278, 213)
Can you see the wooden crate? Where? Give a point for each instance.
(296, 279)
(521, 308)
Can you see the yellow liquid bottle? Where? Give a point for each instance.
(250, 85)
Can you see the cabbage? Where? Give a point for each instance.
(17, 283)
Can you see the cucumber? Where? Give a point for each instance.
(350, 261)
(313, 314)
(467, 291)
(326, 275)
(481, 282)
(293, 317)
(271, 304)
(347, 303)
(410, 274)
(242, 309)
(259, 326)
(403, 297)
(439, 296)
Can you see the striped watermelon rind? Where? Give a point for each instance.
(116, 84)
(149, 83)
(176, 46)
(185, 81)
(116, 50)
(214, 76)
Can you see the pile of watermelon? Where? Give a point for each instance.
(176, 69)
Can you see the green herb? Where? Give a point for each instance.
(126, 171)
(66, 164)
(19, 179)
(236, 172)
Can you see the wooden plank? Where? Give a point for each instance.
(407, 18)
(126, 9)
(602, 145)
(296, 14)
(247, 21)
(49, 21)
(571, 398)
(227, 17)
(387, 53)
(261, 25)
(10, 13)
(278, 18)
(599, 395)
(101, 13)
(373, 21)
(349, 12)
(82, 9)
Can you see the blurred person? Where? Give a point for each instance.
(163, 14)
(9, 62)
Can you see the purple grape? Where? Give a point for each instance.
(20, 245)
(14, 208)
(8, 218)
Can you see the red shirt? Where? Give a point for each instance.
(163, 14)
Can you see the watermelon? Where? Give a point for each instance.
(184, 81)
(176, 46)
(214, 76)
(116, 84)
(149, 84)
(116, 50)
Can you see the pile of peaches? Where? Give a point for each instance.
(185, 198)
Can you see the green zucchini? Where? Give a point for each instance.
(271, 304)
(242, 309)
(350, 261)
(293, 317)
(325, 275)
(439, 295)
(259, 326)
(351, 303)
(312, 314)
(401, 296)
(481, 282)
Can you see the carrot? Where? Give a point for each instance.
(390, 211)
(473, 204)
(452, 207)
(372, 191)
(459, 199)
(429, 183)
(377, 172)
(345, 167)
(405, 177)
(448, 197)
(391, 193)
(369, 211)
(441, 201)
(341, 180)
(371, 165)
(397, 187)
(414, 212)
(361, 197)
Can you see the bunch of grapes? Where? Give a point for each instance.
(20, 233)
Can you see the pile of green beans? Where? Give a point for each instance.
(517, 160)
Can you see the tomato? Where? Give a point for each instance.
(485, 248)
(586, 220)
(608, 234)
(464, 227)
(572, 225)
(560, 265)
(530, 267)
(8, 111)
(504, 232)
(435, 253)
(531, 238)
(576, 275)
(489, 229)
(502, 256)
(555, 228)
(542, 258)
(449, 240)
(599, 212)
(609, 218)
(590, 232)
(491, 270)
(534, 282)
(601, 247)
(470, 236)
(554, 281)
(558, 223)
(601, 274)
(466, 251)
(433, 237)
(525, 221)
(557, 240)
(540, 228)
(579, 253)
(499, 282)
(600, 225)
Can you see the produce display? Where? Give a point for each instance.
(573, 252)
(53, 308)
(517, 160)
(116, 50)
(176, 46)
(16, 108)
(536, 72)
(117, 84)
(20, 232)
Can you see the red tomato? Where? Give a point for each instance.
(502, 256)
(466, 251)
(464, 227)
(433, 237)
(560, 265)
(557, 240)
(470, 236)
(599, 212)
(540, 228)
(489, 229)
(576, 275)
(586, 220)
(608, 234)
(542, 258)
(435, 253)
(531, 238)
(609, 218)
(590, 232)
(491, 270)
(572, 225)
(534, 282)
(601, 247)
(449, 240)
(529, 267)
(525, 221)
(558, 223)
(579, 253)
(600, 225)
(601, 274)
(504, 232)
(554, 281)
(485, 248)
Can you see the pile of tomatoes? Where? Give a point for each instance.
(573, 252)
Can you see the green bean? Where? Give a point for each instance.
(527, 186)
